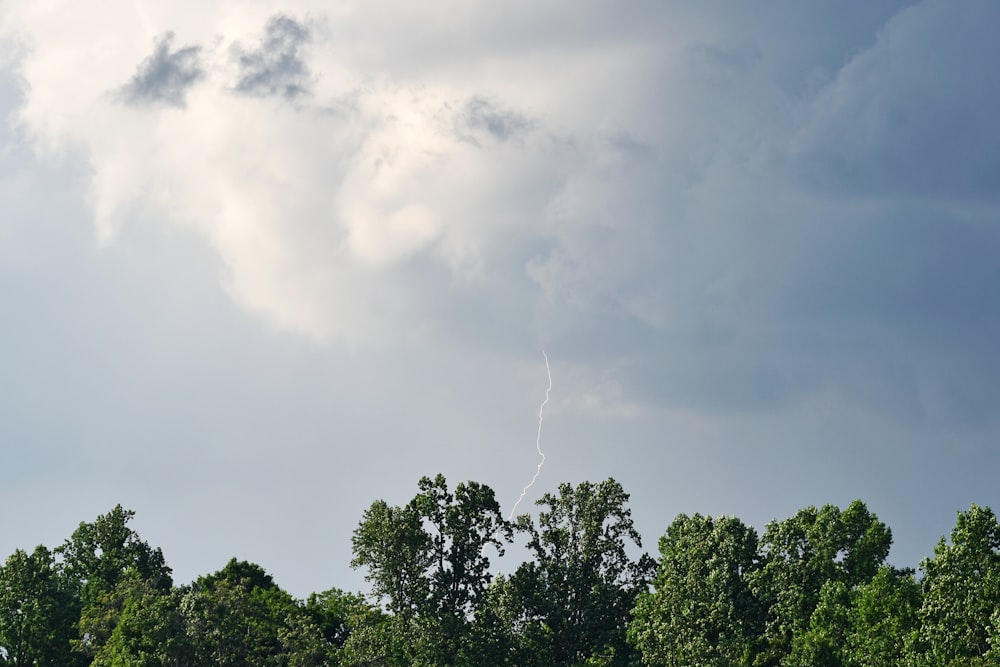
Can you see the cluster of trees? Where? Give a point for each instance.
(812, 590)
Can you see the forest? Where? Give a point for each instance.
(814, 589)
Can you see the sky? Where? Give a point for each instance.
(263, 263)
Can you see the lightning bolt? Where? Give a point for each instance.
(538, 439)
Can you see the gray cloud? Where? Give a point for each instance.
(742, 267)
(484, 116)
(276, 67)
(165, 76)
(914, 114)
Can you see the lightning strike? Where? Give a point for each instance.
(538, 439)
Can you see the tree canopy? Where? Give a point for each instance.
(813, 589)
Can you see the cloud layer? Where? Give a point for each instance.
(682, 180)
(758, 242)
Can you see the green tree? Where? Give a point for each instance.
(801, 554)
(38, 612)
(961, 593)
(883, 619)
(335, 612)
(494, 628)
(576, 595)
(237, 616)
(429, 561)
(319, 634)
(378, 638)
(137, 625)
(303, 642)
(98, 555)
(463, 526)
(394, 547)
(701, 611)
(823, 644)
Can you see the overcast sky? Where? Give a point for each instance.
(263, 263)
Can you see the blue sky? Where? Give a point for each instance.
(264, 263)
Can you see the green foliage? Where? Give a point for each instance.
(429, 561)
(378, 638)
(98, 555)
(303, 642)
(959, 616)
(235, 617)
(135, 624)
(575, 597)
(392, 544)
(38, 611)
(823, 643)
(701, 611)
(883, 619)
(813, 590)
(336, 613)
(799, 556)
(97, 558)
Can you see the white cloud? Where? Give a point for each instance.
(649, 195)
(627, 183)
(317, 206)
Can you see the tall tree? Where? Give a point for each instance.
(237, 616)
(799, 555)
(335, 612)
(98, 555)
(701, 611)
(961, 585)
(463, 525)
(391, 543)
(136, 624)
(576, 595)
(429, 560)
(354, 631)
(883, 619)
(38, 612)
(824, 642)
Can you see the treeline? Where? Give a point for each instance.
(812, 590)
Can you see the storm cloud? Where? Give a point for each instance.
(276, 66)
(757, 242)
(165, 76)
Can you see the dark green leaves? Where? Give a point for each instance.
(960, 616)
(799, 556)
(429, 561)
(814, 590)
(38, 611)
(576, 595)
(702, 610)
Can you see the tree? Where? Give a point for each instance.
(392, 544)
(38, 612)
(463, 525)
(799, 555)
(823, 644)
(883, 619)
(335, 612)
(429, 561)
(304, 644)
(378, 638)
(328, 621)
(576, 595)
(961, 592)
(98, 555)
(701, 611)
(136, 624)
(237, 615)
